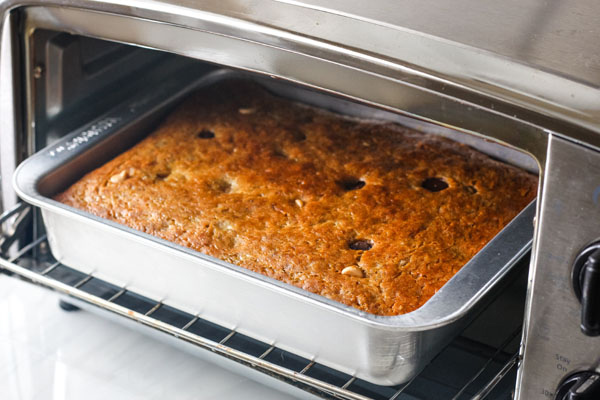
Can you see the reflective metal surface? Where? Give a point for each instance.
(475, 365)
(548, 35)
(313, 63)
(514, 71)
(10, 99)
(542, 74)
(554, 345)
(389, 350)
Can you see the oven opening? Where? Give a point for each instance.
(80, 88)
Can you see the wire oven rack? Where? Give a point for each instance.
(466, 369)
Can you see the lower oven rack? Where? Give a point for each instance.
(490, 373)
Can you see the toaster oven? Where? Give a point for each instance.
(524, 91)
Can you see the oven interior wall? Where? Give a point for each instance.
(74, 79)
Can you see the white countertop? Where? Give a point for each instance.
(47, 353)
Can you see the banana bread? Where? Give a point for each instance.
(367, 213)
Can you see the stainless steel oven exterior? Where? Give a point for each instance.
(524, 73)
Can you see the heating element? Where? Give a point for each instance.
(466, 369)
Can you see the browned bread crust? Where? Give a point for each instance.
(356, 211)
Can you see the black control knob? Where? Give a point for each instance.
(586, 282)
(580, 386)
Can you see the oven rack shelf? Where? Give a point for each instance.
(466, 369)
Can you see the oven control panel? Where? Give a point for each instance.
(586, 284)
(580, 386)
(561, 342)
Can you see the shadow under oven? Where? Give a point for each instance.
(63, 66)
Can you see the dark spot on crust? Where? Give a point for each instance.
(471, 189)
(351, 184)
(278, 152)
(205, 134)
(360, 244)
(162, 172)
(434, 184)
(299, 136)
(222, 185)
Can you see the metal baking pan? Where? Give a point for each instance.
(382, 350)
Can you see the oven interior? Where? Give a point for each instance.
(69, 81)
